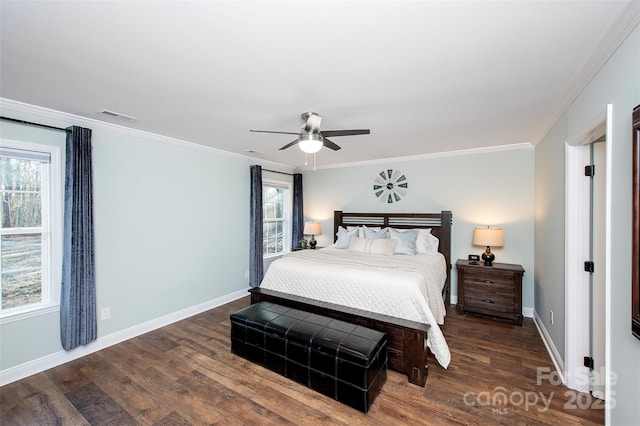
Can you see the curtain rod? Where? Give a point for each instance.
(30, 123)
(275, 171)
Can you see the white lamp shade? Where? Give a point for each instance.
(493, 237)
(310, 143)
(312, 228)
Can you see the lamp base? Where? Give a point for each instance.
(488, 257)
(312, 243)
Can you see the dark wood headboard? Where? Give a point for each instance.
(440, 224)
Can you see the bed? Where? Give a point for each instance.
(411, 323)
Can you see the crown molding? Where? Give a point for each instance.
(615, 35)
(23, 111)
(473, 151)
(64, 119)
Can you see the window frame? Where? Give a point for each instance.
(288, 212)
(52, 222)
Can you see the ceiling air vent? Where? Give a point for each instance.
(114, 114)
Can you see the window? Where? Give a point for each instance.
(29, 182)
(276, 218)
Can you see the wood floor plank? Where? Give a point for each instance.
(237, 406)
(185, 374)
(36, 400)
(165, 390)
(145, 407)
(97, 406)
(237, 374)
(172, 419)
(67, 377)
(190, 406)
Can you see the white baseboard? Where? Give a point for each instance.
(557, 360)
(36, 366)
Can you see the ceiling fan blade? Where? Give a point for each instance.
(345, 132)
(289, 145)
(330, 144)
(270, 131)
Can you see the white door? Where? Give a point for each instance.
(598, 278)
(587, 324)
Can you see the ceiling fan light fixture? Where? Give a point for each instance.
(310, 143)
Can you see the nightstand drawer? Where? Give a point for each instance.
(489, 298)
(498, 290)
(491, 278)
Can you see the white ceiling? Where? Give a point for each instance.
(425, 77)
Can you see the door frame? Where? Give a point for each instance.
(577, 229)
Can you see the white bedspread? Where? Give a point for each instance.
(408, 287)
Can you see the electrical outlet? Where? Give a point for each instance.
(105, 313)
(551, 317)
(246, 274)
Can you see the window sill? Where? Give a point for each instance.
(26, 314)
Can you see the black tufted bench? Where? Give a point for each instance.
(344, 361)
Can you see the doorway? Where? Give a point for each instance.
(587, 212)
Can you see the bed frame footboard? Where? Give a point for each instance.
(406, 348)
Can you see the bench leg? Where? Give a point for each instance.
(415, 357)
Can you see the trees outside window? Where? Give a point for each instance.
(25, 231)
(276, 214)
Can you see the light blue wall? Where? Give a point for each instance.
(617, 83)
(480, 188)
(171, 229)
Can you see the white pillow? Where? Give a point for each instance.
(362, 230)
(358, 228)
(375, 233)
(383, 247)
(406, 240)
(424, 241)
(344, 237)
(432, 243)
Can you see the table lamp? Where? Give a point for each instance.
(313, 229)
(488, 237)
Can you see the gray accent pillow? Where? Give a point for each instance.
(344, 237)
(375, 233)
(406, 241)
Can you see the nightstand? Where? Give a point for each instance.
(490, 290)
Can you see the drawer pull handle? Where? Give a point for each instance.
(488, 301)
(489, 282)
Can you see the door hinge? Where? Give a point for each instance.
(589, 266)
(590, 170)
(588, 362)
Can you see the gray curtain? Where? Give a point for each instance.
(256, 265)
(298, 211)
(78, 322)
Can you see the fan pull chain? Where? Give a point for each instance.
(305, 158)
(314, 161)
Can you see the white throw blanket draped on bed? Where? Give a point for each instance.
(408, 287)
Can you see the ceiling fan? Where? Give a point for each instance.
(310, 139)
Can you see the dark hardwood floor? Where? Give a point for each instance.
(185, 374)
